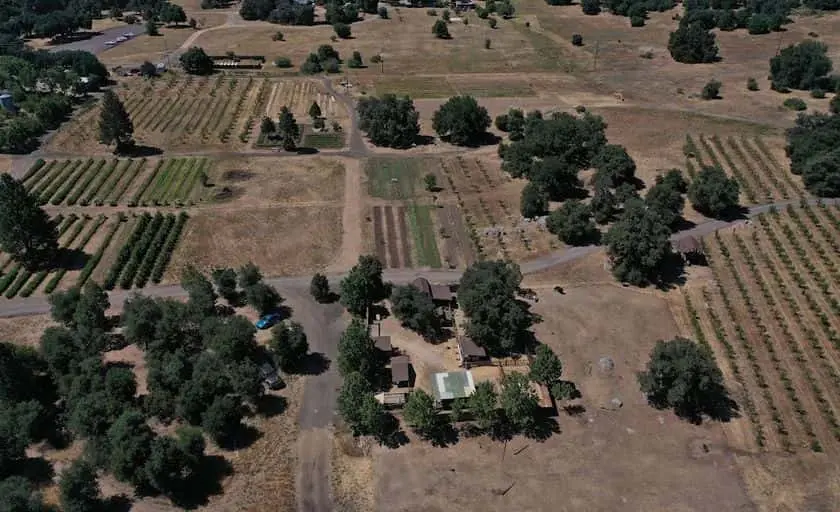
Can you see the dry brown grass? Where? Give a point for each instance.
(280, 240)
(352, 472)
(779, 483)
(24, 330)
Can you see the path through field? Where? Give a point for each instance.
(351, 220)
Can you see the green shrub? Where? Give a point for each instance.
(817, 93)
(283, 62)
(125, 252)
(711, 90)
(752, 84)
(637, 21)
(796, 104)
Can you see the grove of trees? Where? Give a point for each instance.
(812, 146)
(389, 121)
(803, 66)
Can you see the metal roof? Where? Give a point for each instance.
(450, 385)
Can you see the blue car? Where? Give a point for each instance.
(267, 321)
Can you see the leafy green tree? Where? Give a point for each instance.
(693, 43)
(415, 310)
(389, 121)
(591, 7)
(129, 445)
(90, 310)
(59, 348)
(800, 66)
(363, 286)
(666, 200)
(683, 375)
(289, 345)
(355, 61)
(573, 223)
(834, 104)
(288, 129)
(172, 13)
(498, 321)
(225, 281)
(354, 391)
(16, 424)
(152, 28)
(638, 244)
(115, 125)
(712, 193)
(357, 353)
(249, 274)
(314, 110)
(546, 368)
(461, 119)
(673, 178)
(140, 318)
(342, 30)
(263, 297)
(267, 126)
(483, 404)
(20, 372)
(420, 413)
(564, 390)
(603, 205)
(232, 338)
(174, 461)
(196, 62)
(614, 166)
(223, 418)
(711, 91)
(319, 288)
(78, 488)
(441, 30)
(17, 494)
(148, 70)
(555, 177)
(534, 201)
(26, 232)
(63, 305)
(518, 401)
(200, 290)
(821, 175)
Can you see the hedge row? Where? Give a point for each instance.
(56, 170)
(168, 248)
(94, 260)
(71, 182)
(154, 249)
(103, 177)
(34, 169)
(139, 251)
(125, 252)
(92, 173)
(120, 191)
(58, 180)
(142, 190)
(39, 175)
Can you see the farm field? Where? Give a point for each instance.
(87, 245)
(112, 182)
(179, 113)
(771, 317)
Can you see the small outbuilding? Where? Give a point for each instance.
(401, 371)
(690, 249)
(469, 353)
(383, 343)
(441, 294)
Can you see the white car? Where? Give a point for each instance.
(128, 35)
(122, 39)
(110, 43)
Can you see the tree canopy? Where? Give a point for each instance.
(78, 488)
(573, 223)
(461, 120)
(518, 401)
(196, 62)
(546, 368)
(498, 321)
(389, 121)
(415, 310)
(115, 125)
(684, 376)
(26, 232)
(693, 43)
(800, 66)
(533, 202)
(289, 345)
(614, 166)
(638, 244)
(812, 148)
(665, 197)
(358, 354)
(319, 288)
(363, 286)
(713, 193)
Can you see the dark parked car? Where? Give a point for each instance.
(270, 377)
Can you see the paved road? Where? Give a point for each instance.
(96, 44)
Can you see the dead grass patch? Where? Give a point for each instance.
(280, 240)
(24, 330)
(352, 472)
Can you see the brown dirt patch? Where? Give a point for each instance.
(134, 356)
(24, 330)
(280, 240)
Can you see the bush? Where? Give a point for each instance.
(482, 13)
(440, 30)
(492, 22)
(283, 62)
(431, 12)
(277, 36)
(637, 21)
(796, 104)
(590, 7)
(332, 66)
(342, 30)
(376, 59)
(817, 93)
(355, 61)
(711, 90)
(834, 104)
(486, 44)
(573, 223)
(577, 40)
(383, 12)
(446, 15)
(312, 65)
(693, 43)
(752, 84)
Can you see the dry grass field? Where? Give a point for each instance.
(634, 458)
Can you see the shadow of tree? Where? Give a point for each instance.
(315, 363)
(272, 405)
(204, 483)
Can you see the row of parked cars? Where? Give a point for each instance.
(121, 39)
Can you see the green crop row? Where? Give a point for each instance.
(133, 170)
(165, 255)
(759, 175)
(55, 171)
(139, 251)
(71, 182)
(58, 181)
(759, 142)
(746, 186)
(145, 185)
(94, 260)
(102, 177)
(92, 173)
(33, 170)
(125, 252)
(34, 179)
(153, 251)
